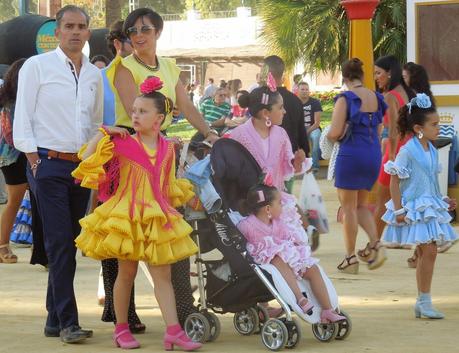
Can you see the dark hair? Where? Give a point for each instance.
(102, 58)
(9, 88)
(153, 16)
(302, 83)
(352, 69)
(407, 120)
(297, 78)
(275, 65)
(70, 8)
(160, 100)
(211, 80)
(242, 91)
(390, 64)
(223, 84)
(251, 205)
(253, 100)
(419, 79)
(116, 32)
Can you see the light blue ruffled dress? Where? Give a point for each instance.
(426, 213)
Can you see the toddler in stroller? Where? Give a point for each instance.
(236, 283)
(269, 241)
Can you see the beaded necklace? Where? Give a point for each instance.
(148, 67)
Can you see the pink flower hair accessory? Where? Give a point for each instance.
(271, 82)
(268, 179)
(150, 85)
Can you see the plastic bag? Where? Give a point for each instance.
(312, 203)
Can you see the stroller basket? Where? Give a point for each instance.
(228, 291)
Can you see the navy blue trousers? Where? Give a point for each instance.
(61, 204)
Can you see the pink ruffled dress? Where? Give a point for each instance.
(274, 155)
(265, 241)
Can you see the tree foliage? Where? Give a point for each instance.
(207, 6)
(317, 31)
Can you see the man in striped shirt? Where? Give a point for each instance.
(215, 110)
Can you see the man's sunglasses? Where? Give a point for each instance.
(134, 30)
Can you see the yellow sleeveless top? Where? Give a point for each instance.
(168, 72)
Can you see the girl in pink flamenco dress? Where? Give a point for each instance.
(270, 145)
(271, 241)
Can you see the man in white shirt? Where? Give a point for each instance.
(59, 107)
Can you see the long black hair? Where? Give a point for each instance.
(391, 64)
(9, 88)
(419, 79)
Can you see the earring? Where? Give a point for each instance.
(268, 122)
(420, 135)
(269, 215)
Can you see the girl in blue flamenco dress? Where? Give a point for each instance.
(418, 214)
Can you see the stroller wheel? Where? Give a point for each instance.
(246, 321)
(197, 327)
(325, 332)
(215, 326)
(344, 327)
(294, 333)
(263, 316)
(274, 334)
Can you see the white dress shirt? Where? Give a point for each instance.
(55, 109)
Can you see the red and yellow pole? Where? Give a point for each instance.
(360, 13)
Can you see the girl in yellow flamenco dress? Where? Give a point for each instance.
(135, 176)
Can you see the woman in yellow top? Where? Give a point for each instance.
(143, 27)
(135, 176)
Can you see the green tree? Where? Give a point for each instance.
(8, 10)
(164, 6)
(207, 6)
(317, 31)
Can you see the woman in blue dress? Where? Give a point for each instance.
(356, 122)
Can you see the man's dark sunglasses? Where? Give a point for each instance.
(134, 30)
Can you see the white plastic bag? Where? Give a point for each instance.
(311, 202)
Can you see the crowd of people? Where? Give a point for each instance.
(65, 118)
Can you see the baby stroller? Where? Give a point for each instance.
(235, 283)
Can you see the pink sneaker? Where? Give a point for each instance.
(306, 306)
(330, 316)
(125, 340)
(181, 340)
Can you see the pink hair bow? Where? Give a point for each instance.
(261, 196)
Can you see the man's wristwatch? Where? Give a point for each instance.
(211, 131)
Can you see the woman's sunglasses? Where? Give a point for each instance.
(134, 30)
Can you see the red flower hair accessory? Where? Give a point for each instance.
(150, 85)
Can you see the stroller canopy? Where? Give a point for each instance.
(235, 171)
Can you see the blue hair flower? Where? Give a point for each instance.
(421, 100)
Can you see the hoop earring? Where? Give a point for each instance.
(420, 135)
(268, 122)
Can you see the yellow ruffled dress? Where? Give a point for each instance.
(111, 232)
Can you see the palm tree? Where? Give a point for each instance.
(317, 31)
(112, 12)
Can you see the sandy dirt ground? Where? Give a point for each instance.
(380, 303)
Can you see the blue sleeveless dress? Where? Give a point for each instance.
(359, 158)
